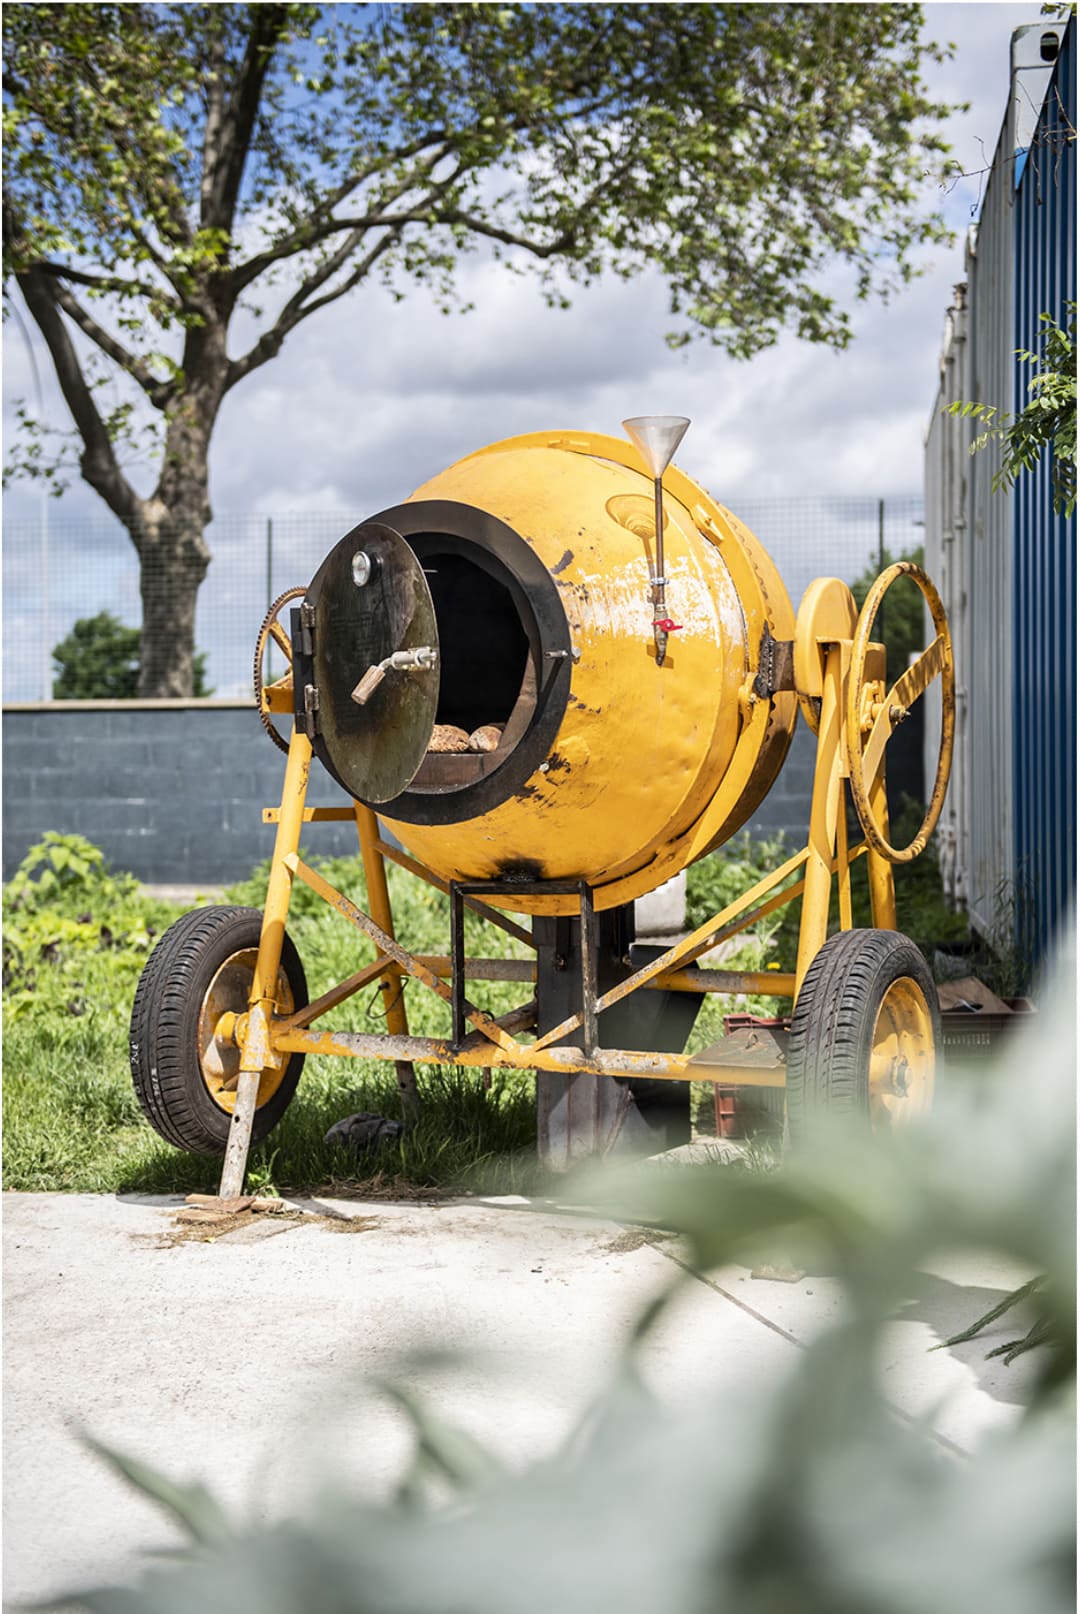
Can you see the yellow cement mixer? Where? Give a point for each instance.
(552, 678)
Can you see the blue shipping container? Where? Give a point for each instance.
(1044, 544)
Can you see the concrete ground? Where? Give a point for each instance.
(240, 1359)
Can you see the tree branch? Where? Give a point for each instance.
(98, 461)
(362, 268)
(164, 201)
(425, 213)
(215, 110)
(178, 299)
(160, 393)
(319, 226)
(228, 134)
(112, 283)
(295, 310)
(177, 279)
(298, 308)
(494, 232)
(559, 243)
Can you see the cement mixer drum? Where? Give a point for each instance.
(525, 570)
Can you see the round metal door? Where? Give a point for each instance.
(371, 602)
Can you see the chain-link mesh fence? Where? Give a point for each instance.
(57, 572)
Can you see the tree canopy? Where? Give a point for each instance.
(99, 660)
(169, 166)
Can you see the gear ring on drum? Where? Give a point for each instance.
(272, 629)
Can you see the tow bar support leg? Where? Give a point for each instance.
(256, 1053)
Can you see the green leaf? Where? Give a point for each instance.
(444, 1449)
(191, 1505)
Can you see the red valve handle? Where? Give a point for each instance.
(667, 625)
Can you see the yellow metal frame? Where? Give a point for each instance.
(840, 685)
(825, 857)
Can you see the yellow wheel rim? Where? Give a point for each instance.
(901, 1057)
(219, 1060)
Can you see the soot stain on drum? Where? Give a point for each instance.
(557, 763)
(520, 870)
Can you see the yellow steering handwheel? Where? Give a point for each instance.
(871, 715)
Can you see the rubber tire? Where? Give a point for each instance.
(832, 1029)
(165, 1021)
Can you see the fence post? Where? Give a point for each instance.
(881, 568)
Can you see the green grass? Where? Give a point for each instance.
(76, 938)
(71, 1123)
(72, 957)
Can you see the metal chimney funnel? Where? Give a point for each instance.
(656, 437)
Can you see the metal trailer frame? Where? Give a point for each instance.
(839, 676)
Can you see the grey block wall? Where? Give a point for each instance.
(173, 791)
(787, 806)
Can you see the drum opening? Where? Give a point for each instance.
(505, 658)
(487, 671)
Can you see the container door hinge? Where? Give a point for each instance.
(306, 616)
(776, 666)
(311, 710)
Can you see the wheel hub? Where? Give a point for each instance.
(902, 1056)
(225, 1002)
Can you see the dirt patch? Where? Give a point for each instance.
(200, 1225)
(635, 1238)
(348, 1224)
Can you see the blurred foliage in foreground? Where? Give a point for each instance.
(811, 1493)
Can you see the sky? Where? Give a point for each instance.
(371, 398)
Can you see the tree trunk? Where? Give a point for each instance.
(169, 533)
(173, 560)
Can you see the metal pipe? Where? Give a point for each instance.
(258, 1051)
(712, 932)
(766, 983)
(776, 984)
(660, 637)
(392, 986)
(882, 880)
(393, 949)
(821, 847)
(394, 854)
(480, 1054)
